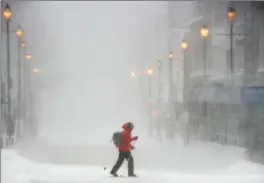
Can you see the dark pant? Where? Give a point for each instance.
(122, 156)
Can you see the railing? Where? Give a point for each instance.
(222, 123)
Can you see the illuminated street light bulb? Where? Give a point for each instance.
(159, 64)
(36, 70)
(170, 55)
(23, 44)
(28, 57)
(231, 14)
(133, 74)
(19, 32)
(184, 45)
(7, 13)
(150, 72)
(204, 31)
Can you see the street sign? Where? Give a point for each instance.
(252, 94)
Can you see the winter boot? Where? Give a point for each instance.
(132, 175)
(114, 174)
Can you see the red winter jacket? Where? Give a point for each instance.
(126, 139)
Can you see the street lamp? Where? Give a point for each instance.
(204, 31)
(133, 74)
(170, 75)
(28, 57)
(159, 64)
(7, 13)
(231, 15)
(28, 91)
(23, 44)
(150, 72)
(170, 55)
(170, 82)
(24, 77)
(36, 71)
(184, 45)
(19, 32)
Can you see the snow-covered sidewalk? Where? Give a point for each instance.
(199, 162)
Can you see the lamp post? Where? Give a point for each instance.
(28, 58)
(204, 33)
(24, 86)
(28, 70)
(231, 15)
(170, 57)
(149, 72)
(19, 34)
(159, 65)
(7, 15)
(23, 74)
(149, 83)
(34, 95)
(184, 47)
(170, 124)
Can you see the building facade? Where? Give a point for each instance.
(215, 104)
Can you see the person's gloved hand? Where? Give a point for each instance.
(135, 138)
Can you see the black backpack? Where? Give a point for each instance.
(117, 138)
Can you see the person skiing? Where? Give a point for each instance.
(125, 148)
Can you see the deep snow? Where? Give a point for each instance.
(171, 162)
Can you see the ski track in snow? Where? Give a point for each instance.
(16, 169)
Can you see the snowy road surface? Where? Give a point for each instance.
(198, 162)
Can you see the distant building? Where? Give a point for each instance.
(215, 100)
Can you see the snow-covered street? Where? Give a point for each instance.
(89, 85)
(199, 162)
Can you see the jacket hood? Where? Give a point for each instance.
(126, 127)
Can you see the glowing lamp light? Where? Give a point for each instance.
(184, 45)
(170, 55)
(231, 14)
(159, 64)
(23, 44)
(7, 13)
(19, 32)
(204, 31)
(28, 57)
(150, 72)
